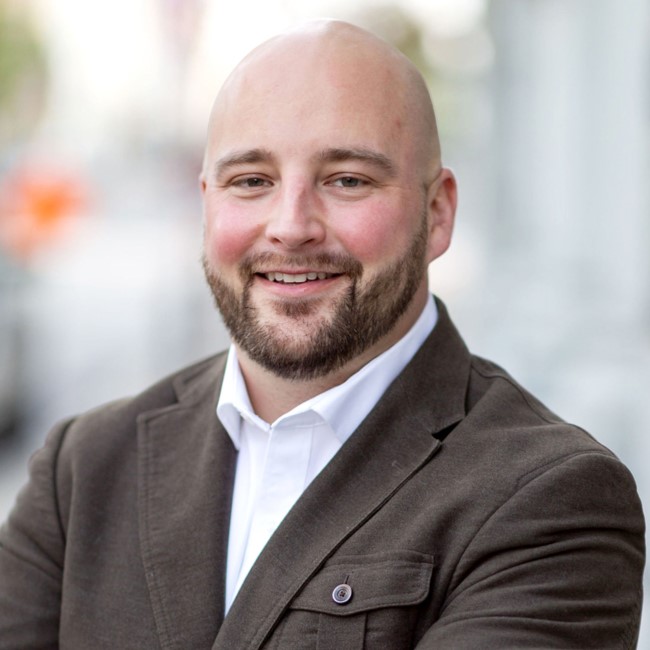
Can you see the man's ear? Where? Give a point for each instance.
(442, 198)
(202, 183)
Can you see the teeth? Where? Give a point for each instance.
(296, 278)
(301, 277)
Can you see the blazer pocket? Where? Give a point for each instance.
(360, 601)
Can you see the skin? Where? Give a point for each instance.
(322, 157)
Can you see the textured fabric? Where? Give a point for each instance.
(461, 514)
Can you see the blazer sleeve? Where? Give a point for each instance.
(558, 565)
(32, 546)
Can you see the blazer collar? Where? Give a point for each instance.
(402, 433)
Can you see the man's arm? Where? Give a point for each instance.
(558, 565)
(32, 546)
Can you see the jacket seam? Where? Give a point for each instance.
(535, 408)
(511, 382)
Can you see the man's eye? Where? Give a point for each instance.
(348, 181)
(251, 181)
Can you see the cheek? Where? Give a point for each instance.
(229, 234)
(367, 243)
(378, 235)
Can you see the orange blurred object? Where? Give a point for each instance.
(35, 206)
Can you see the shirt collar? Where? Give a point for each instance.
(343, 407)
(234, 402)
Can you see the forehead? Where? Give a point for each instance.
(323, 94)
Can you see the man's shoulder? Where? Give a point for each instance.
(189, 382)
(515, 421)
(482, 407)
(490, 380)
(115, 420)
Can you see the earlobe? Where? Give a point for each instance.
(442, 199)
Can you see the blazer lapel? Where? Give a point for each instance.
(394, 441)
(186, 468)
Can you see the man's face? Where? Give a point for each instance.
(316, 223)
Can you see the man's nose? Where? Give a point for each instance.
(297, 219)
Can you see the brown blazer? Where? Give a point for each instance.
(461, 514)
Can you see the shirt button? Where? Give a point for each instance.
(342, 594)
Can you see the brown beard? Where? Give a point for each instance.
(360, 318)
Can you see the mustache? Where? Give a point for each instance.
(337, 263)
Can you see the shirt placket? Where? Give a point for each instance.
(283, 480)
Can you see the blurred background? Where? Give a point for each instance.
(544, 112)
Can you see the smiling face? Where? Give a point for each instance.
(323, 201)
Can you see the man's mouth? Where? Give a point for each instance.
(297, 278)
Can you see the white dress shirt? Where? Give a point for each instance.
(276, 462)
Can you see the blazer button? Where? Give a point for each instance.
(342, 594)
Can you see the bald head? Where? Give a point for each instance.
(342, 66)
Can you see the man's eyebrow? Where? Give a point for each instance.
(361, 154)
(244, 157)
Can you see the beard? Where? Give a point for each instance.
(309, 348)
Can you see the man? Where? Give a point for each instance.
(364, 481)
